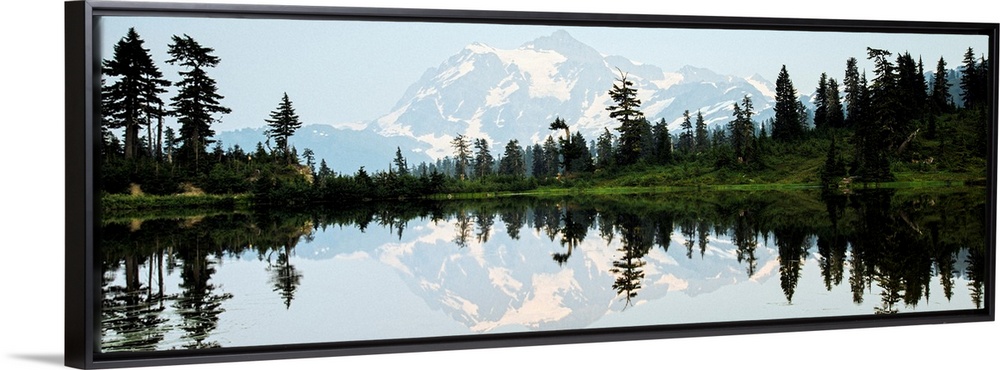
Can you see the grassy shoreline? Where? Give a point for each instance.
(185, 203)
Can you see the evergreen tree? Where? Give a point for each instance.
(852, 93)
(512, 163)
(787, 118)
(663, 150)
(282, 125)
(973, 82)
(911, 92)
(483, 160)
(605, 150)
(551, 156)
(538, 165)
(170, 142)
(463, 155)
(576, 157)
(834, 107)
(133, 99)
(568, 154)
(701, 139)
(686, 139)
(626, 111)
(197, 99)
(819, 117)
(940, 94)
(400, 163)
(873, 134)
(742, 131)
(310, 158)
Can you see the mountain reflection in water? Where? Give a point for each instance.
(420, 269)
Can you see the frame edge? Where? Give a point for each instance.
(77, 314)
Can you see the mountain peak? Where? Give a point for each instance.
(563, 43)
(696, 74)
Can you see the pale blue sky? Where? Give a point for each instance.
(338, 72)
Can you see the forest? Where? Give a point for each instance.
(895, 126)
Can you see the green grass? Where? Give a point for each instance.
(125, 202)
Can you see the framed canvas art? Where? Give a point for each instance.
(253, 182)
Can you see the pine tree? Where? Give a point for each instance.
(605, 150)
(819, 117)
(873, 134)
(512, 163)
(686, 139)
(742, 131)
(940, 94)
(852, 91)
(626, 111)
(551, 156)
(973, 81)
(400, 163)
(576, 156)
(310, 158)
(834, 107)
(463, 155)
(701, 139)
(538, 164)
(568, 154)
(911, 92)
(663, 151)
(787, 119)
(483, 159)
(133, 99)
(197, 99)
(282, 125)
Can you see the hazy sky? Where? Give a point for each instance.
(339, 72)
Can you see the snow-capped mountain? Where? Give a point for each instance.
(504, 94)
(503, 285)
(498, 94)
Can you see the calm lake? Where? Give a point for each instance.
(513, 264)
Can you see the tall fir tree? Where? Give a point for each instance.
(834, 107)
(538, 162)
(973, 81)
(605, 150)
(282, 125)
(686, 139)
(873, 134)
(741, 130)
(512, 163)
(853, 89)
(819, 99)
(911, 92)
(787, 121)
(940, 89)
(197, 99)
(626, 111)
(483, 159)
(701, 139)
(663, 150)
(463, 155)
(399, 162)
(133, 99)
(576, 156)
(551, 157)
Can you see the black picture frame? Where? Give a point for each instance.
(82, 94)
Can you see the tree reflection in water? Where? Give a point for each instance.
(896, 241)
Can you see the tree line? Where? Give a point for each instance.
(868, 128)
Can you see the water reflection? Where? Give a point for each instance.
(556, 263)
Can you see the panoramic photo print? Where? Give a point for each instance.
(268, 181)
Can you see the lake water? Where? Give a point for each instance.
(425, 269)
